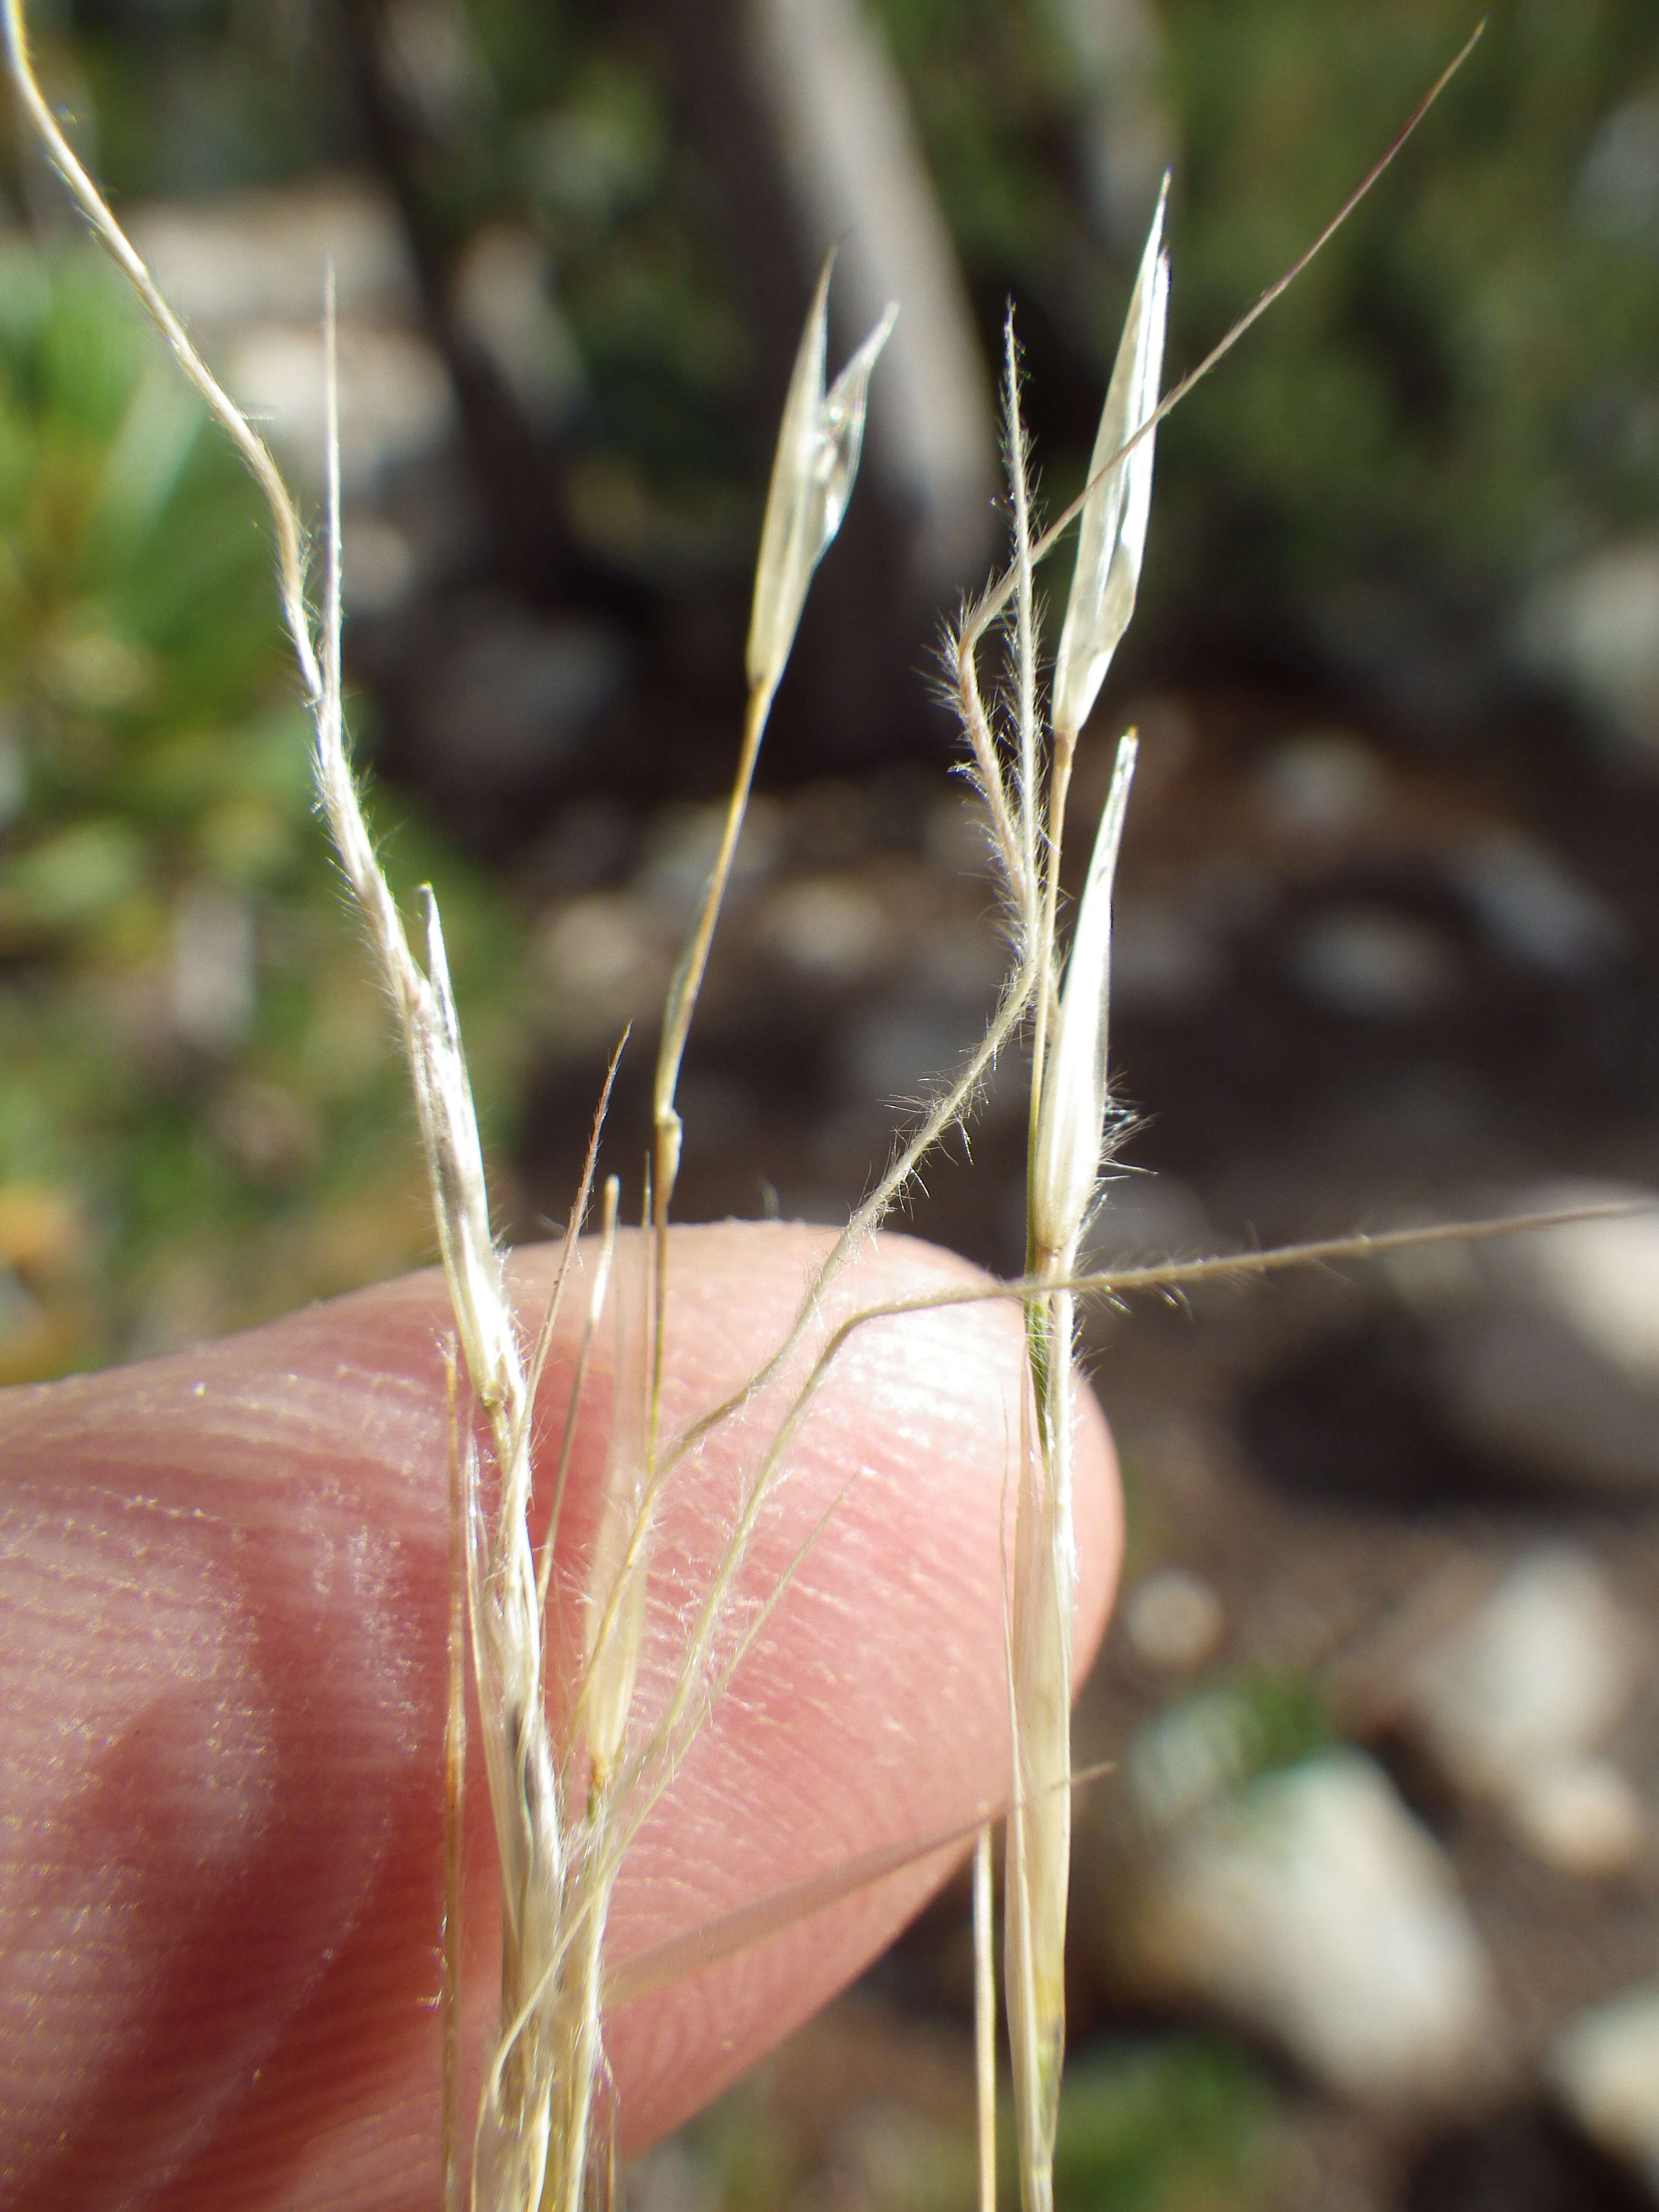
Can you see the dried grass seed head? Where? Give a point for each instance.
(817, 458)
(1071, 1117)
(1112, 529)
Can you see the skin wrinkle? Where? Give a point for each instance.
(278, 1561)
(287, 1486)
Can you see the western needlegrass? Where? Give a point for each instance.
(575, 1768)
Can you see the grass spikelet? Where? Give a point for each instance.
(1067, 1123)
(1064, 1180)
(813, 468)
(1066, 1158)
(817, 458)
(1112, 526)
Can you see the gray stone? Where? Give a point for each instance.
(1603, 2068)
(1580, 1813)
(1323, 784)
(395, 399)
(1532, 907)
(1596, 627)
(1173, 1619)
(262, 256)
(1511, 1697)
(1547, 1342)
(826, 929)
(1375, 963)
(1310, 1907)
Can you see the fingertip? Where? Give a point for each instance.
(235, 1563)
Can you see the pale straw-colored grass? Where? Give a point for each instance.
(572, 1775)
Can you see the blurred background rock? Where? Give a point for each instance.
(1370, 1915)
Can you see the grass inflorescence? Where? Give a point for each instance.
(575, 1768)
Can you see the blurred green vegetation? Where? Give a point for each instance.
(1165, 2125)
(1205, 1746)
(1463, 387)
(1147, 2123)
(202, 1119)
(1462, 390)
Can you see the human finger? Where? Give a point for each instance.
(222, 1709)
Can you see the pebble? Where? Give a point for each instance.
(1192, 1756)
(1603, 2068)
(1173, 1619)
(1597, 626)
(1530, 1680)
(262, 255)
(1601, 1276)
(673, 2177)
(956, 836)
(1512, 1699)
(1582, 1815)
(1532, 907)
(246, 271)
(898, 1048)
(212, 980)
(1371, 962)
(682, 844)
(1619, 187)
(1315, 1911)
(1323, 784)
(825, 929)
(396, 402)
(1549, 1357)
(604, 965)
